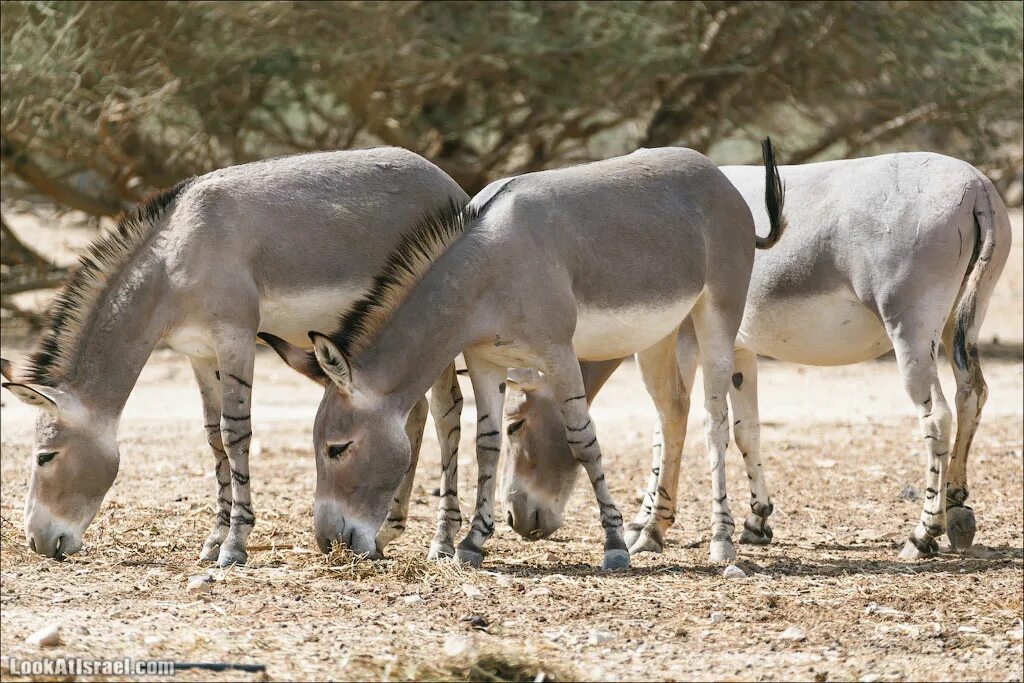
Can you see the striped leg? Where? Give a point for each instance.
(394, 525)
(914, 345)
(971, 393)
(717, 337)
(205, 371)
(664, 382)
(488, 388)
(643, 515)
(235, 357)
(746, 427)
(446, 409)
(563, 373)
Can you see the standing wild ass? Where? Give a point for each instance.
(275, 246)
(891, 252)
(596, 261)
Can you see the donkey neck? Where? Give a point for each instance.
(119, 334)
(442, 314)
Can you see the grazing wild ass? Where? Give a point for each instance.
(899, 251)
(274, 246)
(596, 261)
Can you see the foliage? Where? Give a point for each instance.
(104, 102)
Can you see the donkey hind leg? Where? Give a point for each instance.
(488, 388)
(687, 357)
(236, 352)
(716, 334)
(660, 371)
(971, 393)
(205, 371)
(746, 427)
(394, 525)
(566, 381)
(446, 409)
(914, 345)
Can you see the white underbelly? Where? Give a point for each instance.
(826, 329)
(603, 334)
(290, 316)
(293, 316)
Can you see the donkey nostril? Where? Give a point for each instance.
(32, 544)
(511, 522)
(57, 554)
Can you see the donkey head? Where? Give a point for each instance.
(360, 445)
(540, 470)
(74, 463)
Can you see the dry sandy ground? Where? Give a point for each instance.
(840, 445)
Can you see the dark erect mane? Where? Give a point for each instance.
(84, 286)
(404, 267)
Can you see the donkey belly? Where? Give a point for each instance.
(606, 333)
(292, 315)
(825, 329)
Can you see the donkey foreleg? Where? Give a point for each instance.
(235, 358)
(746, 427)
(563, 373)
(488, 388)
(205, 371)
(394, 525)
(446, 410)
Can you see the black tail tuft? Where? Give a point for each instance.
(774, 197)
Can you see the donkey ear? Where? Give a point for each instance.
(46, 398)
(333, 362)
(297, 359)
(6, 369)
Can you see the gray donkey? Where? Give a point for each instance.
(276, 246)
(596, 261)
(892, 252)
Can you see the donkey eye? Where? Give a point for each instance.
(336, 450)
(43, 458)
(514, 427)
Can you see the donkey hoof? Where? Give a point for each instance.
(756, 532)
(632, 533)
(916, 550)
(960, 527)
(648, 541)
(474, 558)
(615, 559)
(722, 550)
(229, 556)
(440, 551)
(210, 552)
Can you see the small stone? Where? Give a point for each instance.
(538, 592)
(200, 583)
(968, 630)
(412, 599)
(874, 608)
(717, 617)
(477, 622)
(456, 645)
(551, 557)
(471, 591)
(1017, 634)
(734, 572)
(870, 678)
(794, 633)
(596, 637)
(47, 636)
